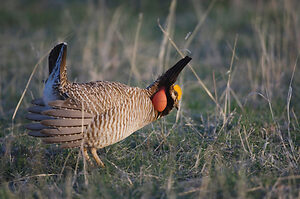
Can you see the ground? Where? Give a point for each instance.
(236, 134)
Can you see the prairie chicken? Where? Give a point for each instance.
(97, 114)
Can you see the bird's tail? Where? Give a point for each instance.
(57, 73)
(57, 62)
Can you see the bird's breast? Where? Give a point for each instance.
(117, 123)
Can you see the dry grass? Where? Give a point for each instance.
(236, 134)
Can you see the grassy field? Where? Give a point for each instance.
(236, 135)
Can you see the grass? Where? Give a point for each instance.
(236, 134)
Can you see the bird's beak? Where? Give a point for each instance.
(177, 106)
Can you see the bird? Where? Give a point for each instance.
(97, 114)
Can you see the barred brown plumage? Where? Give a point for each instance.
(97, 114)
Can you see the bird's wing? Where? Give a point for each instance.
(62, 122)
(65, 121)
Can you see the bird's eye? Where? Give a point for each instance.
(178, 91)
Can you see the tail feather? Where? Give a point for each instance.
(54, 120)
(57, 62)
(54, 55)
(63, 68)
(57, 77)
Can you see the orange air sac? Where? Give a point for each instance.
(159, 100)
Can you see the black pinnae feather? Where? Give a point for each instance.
(170, 77)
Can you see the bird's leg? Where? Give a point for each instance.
(96, 157)
(86, 156)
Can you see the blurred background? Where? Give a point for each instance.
(238, 123)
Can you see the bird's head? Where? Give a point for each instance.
(176, 93)
(165, 94)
